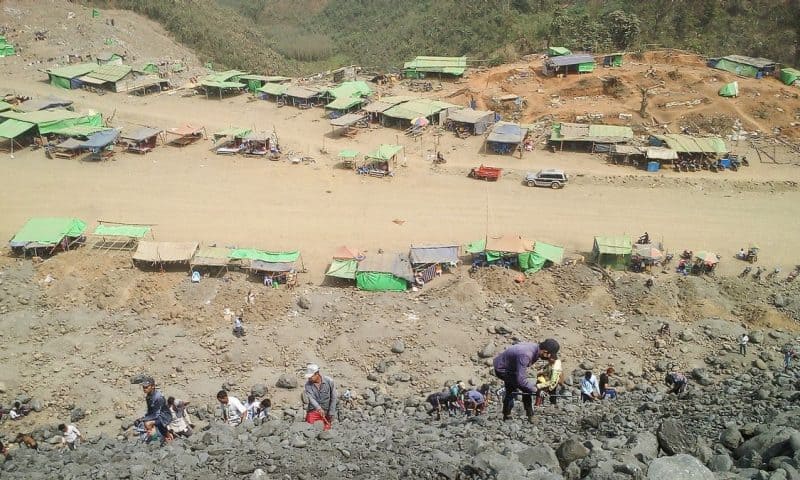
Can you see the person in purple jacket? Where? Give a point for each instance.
(511, 367)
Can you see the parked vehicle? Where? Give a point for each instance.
(547, 178)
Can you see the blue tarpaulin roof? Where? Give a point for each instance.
(505, 132)
(101, 139)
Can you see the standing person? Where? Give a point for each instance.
(238, 325)
(511, 367)
(590, 390)
(251, 406)
(69, 436)
(233, 412)
(743, 340)
(676, 381)
(321, 394)
(787, 359)
(180, 423)
(605, 390)
(157, 410)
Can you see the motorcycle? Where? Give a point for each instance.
(774, 273)
(644, 239)
(757, 275)
(687, 255)
(745, 272)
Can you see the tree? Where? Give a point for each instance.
(623, 28)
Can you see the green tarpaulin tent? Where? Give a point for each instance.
(614, 252)
(14, 128)
(343, 269)
(269, 257)
(62, 76)
(133, 231)
(384, 152)
(558, 51)
(737, 68)
(729, 90)
(355, 89)
(49, 121)
(532, 262)
(477, 246)
(79, 130)
(275, 89)
(380, 282)
(48, 231)
(344, 103)
(236, 132)
(789, 75)
(349, 154)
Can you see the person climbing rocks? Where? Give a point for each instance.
(550, 381)
(321, 393)
(439, 400)
(676, 381)
(69, 436)
(511, 366)
(157, 409)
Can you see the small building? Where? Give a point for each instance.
(566, 64)
(505, 138)
(613, 59)
(754, 67)
(558, 51)
(163, 254)
(384, 272)
(143, 140)
(472, 122)
(123, 78)
(68, 77)
(789, 76)
(429, 261)
(44, 236)
(423, 66)
(612, 251)
(592, 138)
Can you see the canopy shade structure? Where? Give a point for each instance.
(223, 85)
(226, 76)
(141, 134)
(185, 130)
(13, 128)
(236, 132)
(506, 132)
(211, 257)
(344, 103)
(509, 243)
(612, 251)
(648, 252)
(353, 89)
(578, 132)
(101, 139)
(43, 104)
(661, 153)
(384, 152)
(48, 121)
(48, 231)
(468, 115)
(477, 246)
(428, 64)
(532, 262)
(567, 60)
(349, 154)
(341, 268)
(79, 130)
(414, 108)
(347, 120)
(422, 254)
(264, 256)
(396, 264)
(122, 230)
(275, 89)
(110, 73)
(688, 144)
(165, 252)
(301, 92)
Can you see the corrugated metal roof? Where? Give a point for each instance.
(468, 115)
(579, 132)
(449, 65)
(688, 144)
(420, 107)
(347, 120)
(73, 71)
(757, 62)
(564, 60)
(110, 73)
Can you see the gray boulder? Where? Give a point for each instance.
(775, 442)
(303, 302)
(487, 351)
(571, 450)
(756, 337)
(681, 466)
(643, 446)
(720, 463)
(286, 381)
(673, 438)
(259, 390)
(541, 455)
(731, 437)
(398, 347)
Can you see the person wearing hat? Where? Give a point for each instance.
(157, 409)
(511, 366)
(321, 394)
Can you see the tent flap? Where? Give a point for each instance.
(380, 282)
(343, 269)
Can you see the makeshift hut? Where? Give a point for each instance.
(274, 267)
(426, 66)
(376, 108)
(34, 105)
(789, 75)
(257, 144)
(558, 51)
(118, 236)
(345, 97)
(592, 138)
(505, 138)
(230, 140)
(186, 134)
(213, 259)
(405, 113)
(689, 146)
(729, 90)
(381, 161)
(163, 254)
(123, 78)
(384, 272)
(255, 82)
(542, 256)
(505, 250)
(612, 252)
(566, 64)
(350, 123)
(49, 121)
(68, 77)
(345, 263)
(429, 261)
(347, 159)
(626, 154)
(273, 91)
(301, 97)
(44, 236)
(14, 134)
(101, 144)
(754, 67)
(81, 132)
(343, 106)
(469, 121)
(142, 140)
(613, 59)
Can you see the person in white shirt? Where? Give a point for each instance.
(233, 412)
(179, 424)
(251, 406)
(69, 436)
(743, 340)
(590, 390)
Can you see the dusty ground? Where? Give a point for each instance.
(75, 339)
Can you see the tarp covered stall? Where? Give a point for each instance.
(348, 120)
(428, 254)
(579, 63)
(422, 65)
(48, 233)
(532, 262)
(49, 121)
(381, 160)
(729, 90)
(384, 272)
(509, 244)
(186, 134)
(142, 140)
(68, 77)
(476, 121)
(211, 257)
(343, 269)
(690, 145)
(612, 251)
(594, 137)
(254, 82)
(101, 140)
(744, 66)
(789, 75)
(661, 154)
(301, 97)
(79, 131)
(164, 252)
(11, 128)
(118, 236)
(505, 137)
(273, 90)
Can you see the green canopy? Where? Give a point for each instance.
(4, 106)
(48, 231)
(269, 257)
(350, 90)
(343, 269)
(737, 68)
(612, 251)
(79, 130)
(6, 50)
(532, 262)
(789, 75)
(49, 121)
(344, 103)
(385, 152)
(221, 85)
(447, 65)
(729, 90)
(237, 132)
(275, 89)
(477, 246)
(349, 153)
(14, 128)
(380, 282)
(228, 76)
(133, 231)
(558, 51)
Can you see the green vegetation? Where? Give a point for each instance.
(307, 35)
